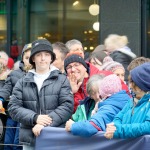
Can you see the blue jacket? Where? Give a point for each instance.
(108, 109)
(134, 121)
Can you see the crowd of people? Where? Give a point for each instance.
(55, 85)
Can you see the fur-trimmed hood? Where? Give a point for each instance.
(126, 50)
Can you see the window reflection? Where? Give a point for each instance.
(55, 20)
(60, 20)
(3, 25)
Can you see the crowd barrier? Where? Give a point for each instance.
(3, 127)
(52, 138)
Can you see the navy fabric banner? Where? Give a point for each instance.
(58, 139)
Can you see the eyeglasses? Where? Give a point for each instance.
(76, 65)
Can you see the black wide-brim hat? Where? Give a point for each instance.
(39, 46)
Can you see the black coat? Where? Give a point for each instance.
(55, 99)
(2, 82)
(10, 82)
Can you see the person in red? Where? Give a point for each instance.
(78, 72)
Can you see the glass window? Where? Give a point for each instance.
(20, 28)
(3, 25)
(63, 20)
(148, 30)
(56, 20)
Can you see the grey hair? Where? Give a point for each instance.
(61, 47)
(72, 42)
(94, 81)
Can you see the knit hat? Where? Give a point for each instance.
(107, 59)
(112, 66)
(99, 53)
(41, 45)
(74, 57)
(25, 48)
(110, 85)
(10, 63)
(141, 76)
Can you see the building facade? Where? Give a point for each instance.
(23, 21)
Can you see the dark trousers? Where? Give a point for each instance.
(12, 135)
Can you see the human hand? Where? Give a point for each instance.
(44, 120)
(110, 129)
(2, 109)
(37, 129)
(1, 104)
(93, 112)
(68, 125)
(108, 135)
(73, 82)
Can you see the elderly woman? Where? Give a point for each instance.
(134, 119)
(113, 100)
(86, 107)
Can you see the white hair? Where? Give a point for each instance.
(94, 81)
(72, 42)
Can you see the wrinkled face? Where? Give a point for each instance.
(77, 48)
(120, 73)
(77, 69)
(96, 63)
(59, 62)
(42, 61)
(94, 94)
(26, 57)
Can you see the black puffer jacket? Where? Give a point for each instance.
(2, 82)
(55, 99)
(10, 82)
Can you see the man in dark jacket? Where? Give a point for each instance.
(42, 98)
(79, 71)
(12, 132)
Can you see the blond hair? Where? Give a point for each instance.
(114, 42)
(4, 58)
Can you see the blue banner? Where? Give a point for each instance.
(58, 139)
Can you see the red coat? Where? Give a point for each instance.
(81, 93)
